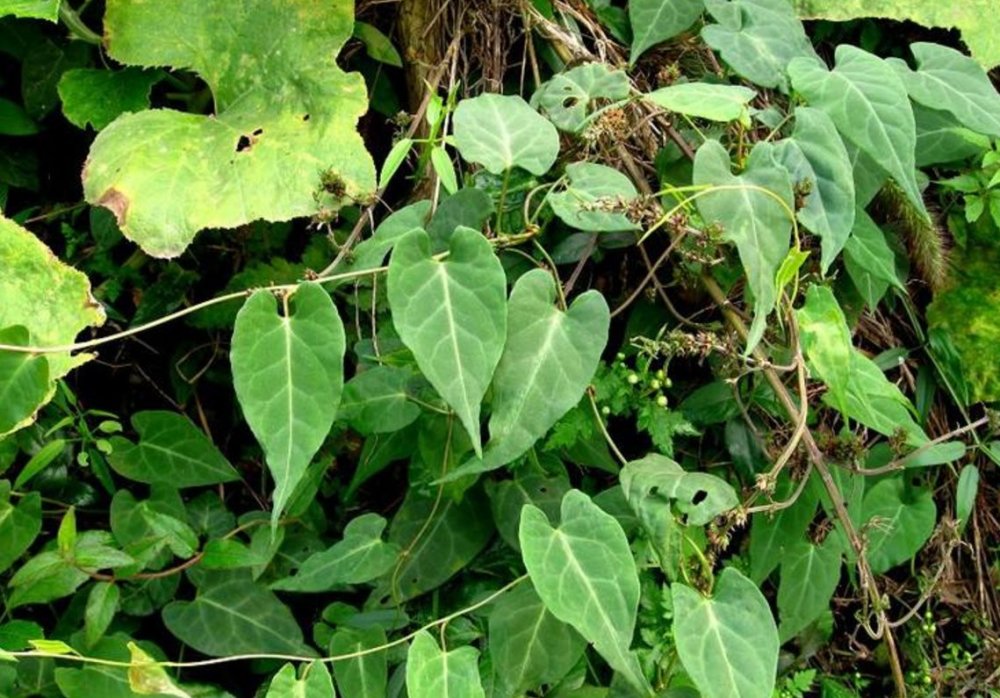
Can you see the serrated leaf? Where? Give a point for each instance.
(528, 646)
(171, 451)
(868, 103)
(816, 155)
(585, 574)
(97, 96)
(364, 676)
(754, 220)
(897, 520)
(288, 372)
(502, 131)
(809, 576)
(233, 615)
(757, 38)
(284, 123)
(360, 557)
(53, 302)
(315, 682)
(432, 672)
(569, 97)
(595, 198)
(728, 643)
(452, 315)
(548, 361)
(655, 21)
(705, 101)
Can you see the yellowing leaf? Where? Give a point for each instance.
(281, 144)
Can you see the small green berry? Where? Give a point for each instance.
(620, 356)
(668, 383)
(605, 410)
(632, 379)
(661, 400)
(654, 384)
(660, 374)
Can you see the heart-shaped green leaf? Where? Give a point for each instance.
(655, 21)
(314, 682)
(548, 361)
(595, 198)
(656, 486)
(171, 451)
(364, 675)
(503, 131)
(584, 572)
(568, 97)
(815, 155)
(868, 103)
(432, 672)
(899, 520)
(288, 372)
(809, 576)
(727, 642)
(705, 101)
(281, 144)
(452, 315)
(754, 209)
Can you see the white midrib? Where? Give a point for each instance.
(541, 353)
(453, 337)
(713, 624)
(286, 325)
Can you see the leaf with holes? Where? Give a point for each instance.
(452, 314)
(727, 642)
(584, 572)
(656, 486)
(288, 372)
(548, 361)
(500, 132)
(282, 142)
(569, 97)
(754, 209)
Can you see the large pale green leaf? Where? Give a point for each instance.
(171, 451)
(975, 19)
(868, 103)
(856, 386)
(529, 486)
(568, 98)
(749, 208)
(435, 673)
(288, 372)
(439, 541)
(282, 142)
(502, 131)
(33, 9)
(757, 38)
(313, 682)
(941, 138)
(360, 557)
(97, 96)
(19, 524)
(452, 315)
(809, 576)
(585, 574)
(705, 100)
(528, 646)
(364, 676)
(655, 21)
(949, 80)
(233, 615)
(549, 359)
(728, 642)
(595, 198)
(899, 520)
(815, 155)
(53, 302)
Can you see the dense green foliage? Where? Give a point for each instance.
(651, 366)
